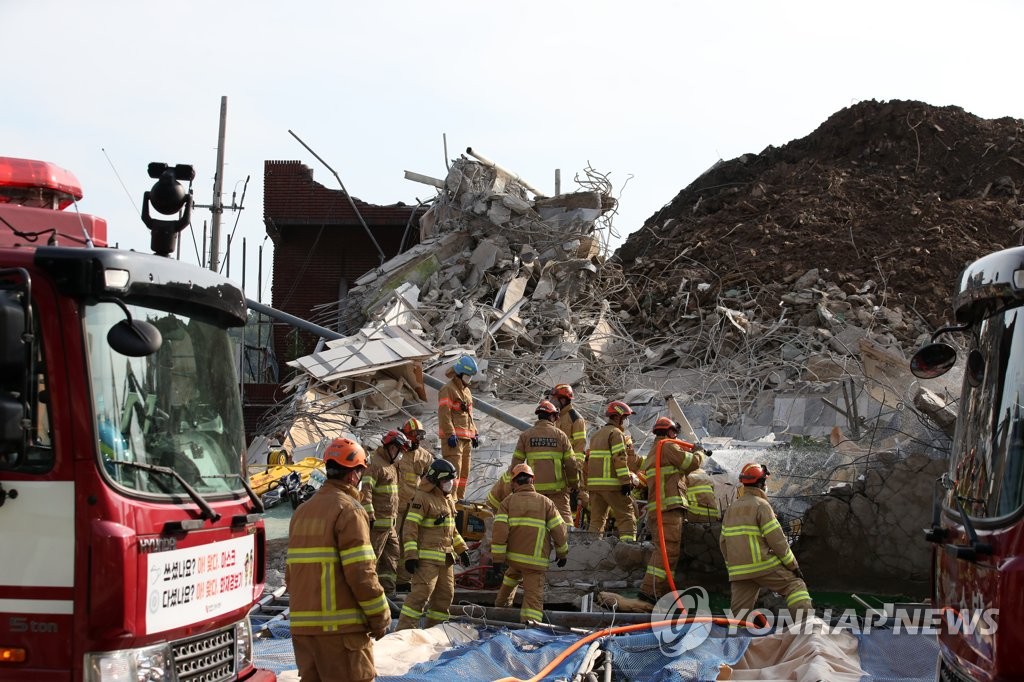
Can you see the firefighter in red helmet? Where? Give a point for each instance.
(608, 477)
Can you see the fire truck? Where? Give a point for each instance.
(978, 519)
(133, 547)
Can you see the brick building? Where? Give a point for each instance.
(320, 249)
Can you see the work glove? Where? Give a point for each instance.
(371, 518)
(626, 488)
(453, 440)
(561, 562)
(464, 559)
(381, 630)
(475, 441)
(411, 565)
(498, 567)
(798, 573)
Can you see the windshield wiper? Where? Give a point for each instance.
(257, 505)
(977, 548)
(204, 506)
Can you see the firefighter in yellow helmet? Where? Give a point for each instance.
(411, 468)
(337, 603)
(756, 551)
(455, 425)
(431, 543)
(526, 529)
(608, 477)
(666, 493)
(549, 453)
(380, 500)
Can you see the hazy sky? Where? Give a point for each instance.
(651, 91)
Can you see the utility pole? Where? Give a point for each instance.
(218, 185)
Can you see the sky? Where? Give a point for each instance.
(650, 93)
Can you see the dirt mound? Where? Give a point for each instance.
(900, 192)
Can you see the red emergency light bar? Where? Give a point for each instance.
(18, 177)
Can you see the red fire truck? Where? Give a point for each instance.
(133, 547)
(978, 520)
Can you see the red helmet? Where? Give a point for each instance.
(752, 473)
(664, 424)
(562, 391)
(346, 453)
(410, 427)
(398, 438)
(522, 469)
(617, 407)
(545, 408)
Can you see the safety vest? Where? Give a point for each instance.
(429, 532)
(549, 453)
(752, 540)
(606, 465)
(677, 460)
(455, 411)
(331, 568)
(526, 527)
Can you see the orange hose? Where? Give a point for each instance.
(720, 620)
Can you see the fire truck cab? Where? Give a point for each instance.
(978, 520)
(133, 548)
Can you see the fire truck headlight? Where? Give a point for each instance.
(243, 644)
(146, 664)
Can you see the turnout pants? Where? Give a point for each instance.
(625, 515)
(334, 657)
(561, 500)
(460, 457)
(386, 547)
(533, 592)
(403, 575)
(781, 580)
(433, 585)
(655, 581)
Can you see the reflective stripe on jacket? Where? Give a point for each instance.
(525, 528)
(429, 532)
(549, 453)
(607, 468)
(700, 493)
(455, 411)
(380, 490)
(572, 425)
(331, 568)
(752, 540)
(676, 462)
(411, 468)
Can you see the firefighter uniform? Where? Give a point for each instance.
(607, 472)
(429, 535)
(336, 599)
(700, 496)
(525, 529)
(549, 453)
(573, 425)
(411, 468)
(380, 500)
(455, 418)
(757, 554)
(677, 460)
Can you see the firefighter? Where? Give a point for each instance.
(756, 551)
(700, 496)
(678, 459)
(337, 603)
(574, 426)
(608, 477)
(549, 453)
(456, 427)
(411, 468)
(380, 500)
(431, 544)
(525, 529)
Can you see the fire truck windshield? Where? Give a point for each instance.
(178, 408)
(988, 452)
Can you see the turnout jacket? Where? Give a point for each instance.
(331, 568)
(752, 540)
(676, 462)
(607, 468)
(525, 529)
(573, 426)
(700, 494)
(380, 490)
(455, 411)
(410, 470)
(429, 533)
(549, 453)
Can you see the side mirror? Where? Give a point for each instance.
(932, 360)
(134, 338)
